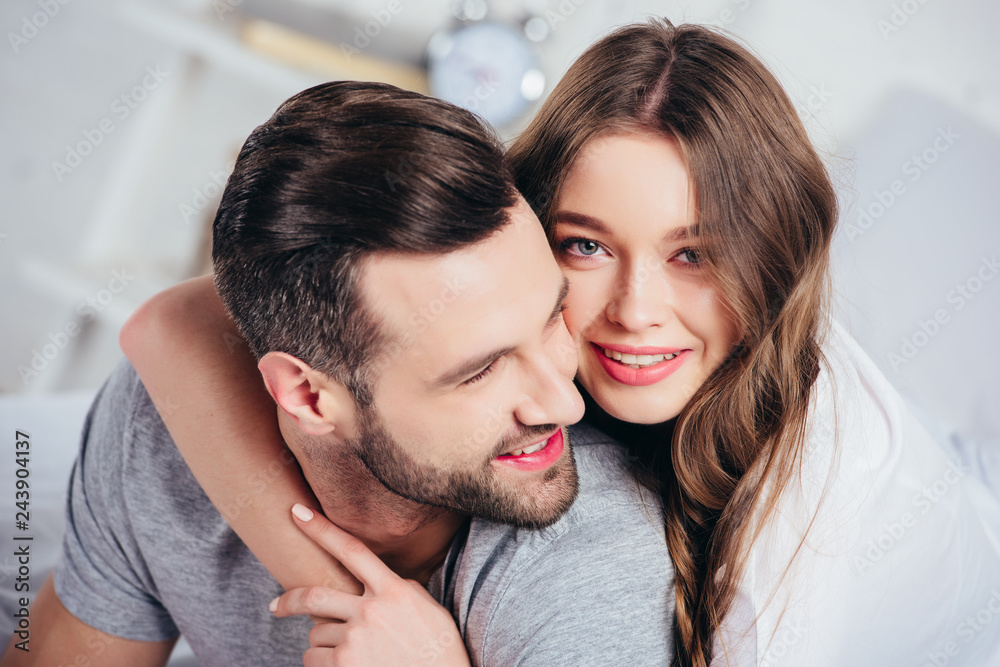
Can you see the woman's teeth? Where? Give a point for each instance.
(637, 360)
(528, 450)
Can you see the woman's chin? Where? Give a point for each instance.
(636, 405)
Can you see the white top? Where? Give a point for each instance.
(902, 563)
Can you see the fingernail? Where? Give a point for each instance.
(302, 512)
(274, 605)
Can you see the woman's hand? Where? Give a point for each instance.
(394, 622)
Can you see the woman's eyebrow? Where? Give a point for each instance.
(681, 233)
(582, 220)
(590, 222)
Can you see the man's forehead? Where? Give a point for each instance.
(460, 297)
(399, 286)
(442, 301)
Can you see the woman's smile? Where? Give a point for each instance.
(643, 367)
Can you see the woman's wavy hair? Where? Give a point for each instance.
(766, 212)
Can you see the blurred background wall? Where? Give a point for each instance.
(121, 119)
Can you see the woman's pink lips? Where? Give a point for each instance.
(630, 349)
(539, 460)
(639, 377)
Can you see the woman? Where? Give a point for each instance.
(805, 509)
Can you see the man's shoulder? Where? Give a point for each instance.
(125, 439)
(124, 407)
(120, 399)
(604, 469)
(605, 557)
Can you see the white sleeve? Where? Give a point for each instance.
(899, 566)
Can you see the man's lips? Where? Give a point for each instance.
(537, 460)
(650, 371)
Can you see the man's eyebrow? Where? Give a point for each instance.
(590, 222)
(469, 367)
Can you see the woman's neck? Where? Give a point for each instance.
(649, 444)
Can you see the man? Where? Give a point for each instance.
(408, 325)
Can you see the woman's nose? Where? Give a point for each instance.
(641, 298)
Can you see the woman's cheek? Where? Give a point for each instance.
(585, 304)
(712, 323)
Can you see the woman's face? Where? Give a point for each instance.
(649, 324)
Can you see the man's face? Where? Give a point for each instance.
(480, 366)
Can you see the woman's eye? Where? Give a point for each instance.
(581, 247)
(689, 256)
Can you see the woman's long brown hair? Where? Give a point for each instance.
(766, 212)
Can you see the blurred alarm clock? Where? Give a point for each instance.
(487, 67)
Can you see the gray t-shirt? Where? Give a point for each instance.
(147, 556)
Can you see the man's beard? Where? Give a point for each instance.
(476, 489)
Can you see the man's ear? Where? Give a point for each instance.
(317, 403)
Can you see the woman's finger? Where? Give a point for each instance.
(346, 548)
(316, 601)
(320, 657)
(328, 635)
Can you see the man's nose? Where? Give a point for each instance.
(550, 396)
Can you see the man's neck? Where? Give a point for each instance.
(412, 539)
(416, 554)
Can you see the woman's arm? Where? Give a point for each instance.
(205, 384)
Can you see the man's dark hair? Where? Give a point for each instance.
(339, 172)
